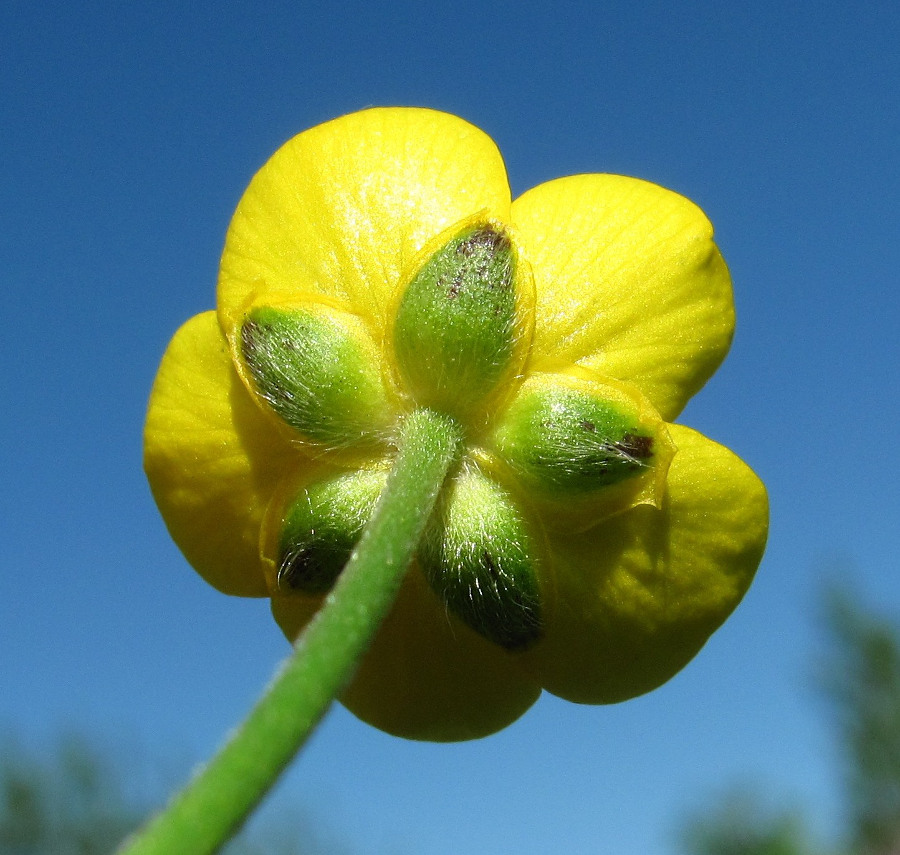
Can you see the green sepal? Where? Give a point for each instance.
(481, 560)
(317, 369)
(456, 326)
(321, 527)
(566, 439)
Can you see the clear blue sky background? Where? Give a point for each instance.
(128, 132)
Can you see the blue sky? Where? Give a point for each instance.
(129, 132)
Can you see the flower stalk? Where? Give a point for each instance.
(213, 806)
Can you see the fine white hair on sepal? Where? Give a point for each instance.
(321, 527)
(572, 441)
(479, 558)
(456, 331)
(318, 373)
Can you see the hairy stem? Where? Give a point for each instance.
(212, 807)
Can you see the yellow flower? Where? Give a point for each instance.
(612, 542)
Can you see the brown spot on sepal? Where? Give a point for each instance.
(634, 445)
(487, 237)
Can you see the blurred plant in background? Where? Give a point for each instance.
(860, 676)
(742, 824)
(70, 806)
(77, 803)
(862, 681)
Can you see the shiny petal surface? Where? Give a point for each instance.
(427, 675)
(629, 282)
(341, 209)
(212, 458)
(639, 594)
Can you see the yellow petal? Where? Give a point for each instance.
(342, 208)
(629, 282)
(427, 675)
(212, 458)
(638, 595)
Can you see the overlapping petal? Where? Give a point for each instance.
(427, 675)
(213, 459)
(629, 283)
(341, 209)
(639, 594)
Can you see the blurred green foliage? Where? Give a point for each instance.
(78, 802)
(860, 676)
(743, 825)
(863, 682)
(70, 806)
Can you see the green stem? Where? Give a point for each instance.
(211, 808)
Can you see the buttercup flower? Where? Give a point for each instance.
(583, 543)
